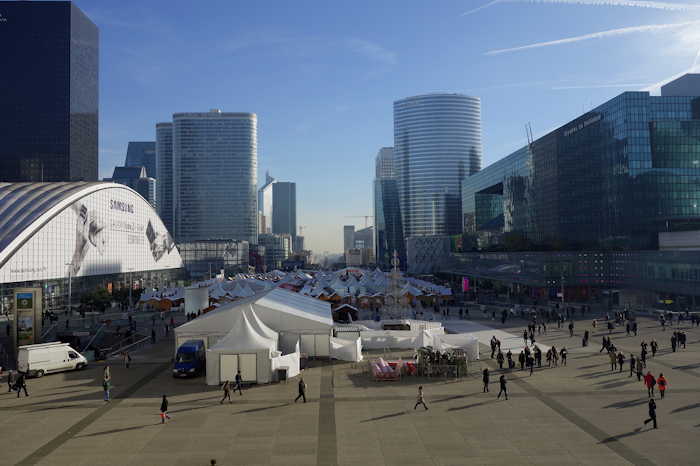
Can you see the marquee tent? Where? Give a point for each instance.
(242, 349)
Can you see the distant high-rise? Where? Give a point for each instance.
(388, 232)
(384, 163)
(142, 154)
(348, 237)
(284, 208)
(164, 168)
(437, 143)
(215, 165)
(265, 205)
(48, 92)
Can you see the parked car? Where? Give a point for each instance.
(190, 359)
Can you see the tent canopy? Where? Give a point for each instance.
(243, 338)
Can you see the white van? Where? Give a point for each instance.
(45, 358)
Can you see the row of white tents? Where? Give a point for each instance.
(266, 333)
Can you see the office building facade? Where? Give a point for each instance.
(348, 237)
(613, 178)
(278, 248)
(284, 208)
(215, 162)
(142, 154)
(49, 92)
(164, 167)
(437, 143)
(388, 232)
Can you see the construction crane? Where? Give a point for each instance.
(366, 217)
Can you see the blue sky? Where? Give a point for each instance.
(322, 76)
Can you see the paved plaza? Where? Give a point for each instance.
(579, 414)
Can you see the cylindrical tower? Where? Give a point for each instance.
(437, 143)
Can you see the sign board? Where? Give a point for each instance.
(28, 303)
(465, 284)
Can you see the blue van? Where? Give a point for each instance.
(189, 360)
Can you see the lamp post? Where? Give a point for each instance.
(562, 290)
(131, 284)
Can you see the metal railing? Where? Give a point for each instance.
(130, 347)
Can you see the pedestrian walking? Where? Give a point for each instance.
(127, 359)
(11, 377)
(227, 392)
(571, 328)
(654, 348)
(613, 360)
(639, 369)
(239, 383)
(421, 400)
(302, 390)
(485, 379)
(633, 363)
(530, 363)
(21, 384)
(620, 360)
(652, 413)
(164, 410)
(106, 387)
(502, 381)
(673, 342)
(500, 359)
(521, 360)
(153, 335)
(663, 385)
(106, 373)
(650, 381)
(564, 353)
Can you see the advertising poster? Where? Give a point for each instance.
(106, 232)
(28, 318)
(465, 284)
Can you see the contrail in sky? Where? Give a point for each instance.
(596, 35)
(669, 6)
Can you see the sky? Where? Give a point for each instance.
(322, 76)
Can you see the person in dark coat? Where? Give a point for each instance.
(10, 381)
(302, 390)
(652, 413)
(239, 384)
(504, 390)
(633, 363)
(20, 385)
(227, 392)
(500, 358)
(164, 410)
(485, 379)
(521, 360)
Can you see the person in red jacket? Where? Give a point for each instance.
(650, 381)
(663, 384)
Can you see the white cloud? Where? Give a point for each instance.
(491, 3)
(668, 6)
(372, 51)
(596, 35)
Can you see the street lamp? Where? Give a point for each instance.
(131, 284)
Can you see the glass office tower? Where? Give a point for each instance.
(388, 232)
(613, 178)
(142, 154)
(164, 168)
(284, 207)
(215, 166)
(49, 92)
(437, 143)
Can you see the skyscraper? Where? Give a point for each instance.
(48, 92)
(284, 208)
(348, 237)
(437, 143)
(388, 232)
(265, 205)
(142, 154)
(215, 163)
(164, 168)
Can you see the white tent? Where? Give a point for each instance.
(260, 326)
(287, 311)
(346, 350)
(466, 341)
(244, 350)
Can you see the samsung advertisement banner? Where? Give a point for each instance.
(109, 231)
(28, 315)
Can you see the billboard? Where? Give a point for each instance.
(112, 230)
(465, 284)
(28, 315)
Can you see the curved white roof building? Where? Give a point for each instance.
(50, 231)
